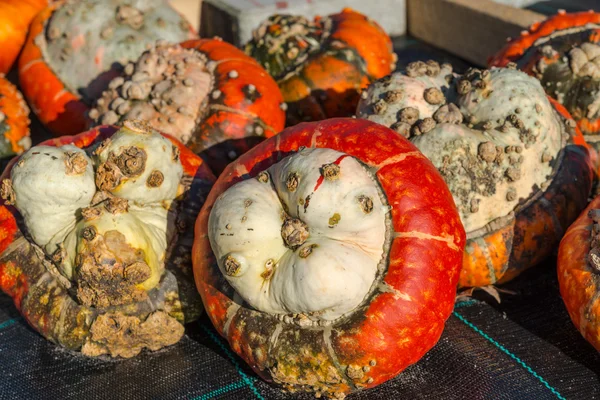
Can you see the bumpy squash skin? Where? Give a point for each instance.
(235, 120)
(577, 277)
(561, 32)
(241, 107)
(354, 52)
(14, 121)
(531, 236)
(62, 111)
(38, 289)
(502, 245)
(399, 321)
(58, 109)
(15, 17)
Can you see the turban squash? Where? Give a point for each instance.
(516, 164)
(322, 65)
(578, 272)
(208, 94)
(96, 233)
(328, 256)
(563, 52)
(99, 37)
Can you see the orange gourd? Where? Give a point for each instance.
(15, 18)
(14, 120)
(321, 66)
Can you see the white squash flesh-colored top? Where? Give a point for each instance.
(328, 208)
(53, 185)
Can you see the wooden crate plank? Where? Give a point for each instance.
(472, 30)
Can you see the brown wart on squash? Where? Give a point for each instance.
(100, 259)
(506, 151)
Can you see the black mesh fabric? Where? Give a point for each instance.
(524, 348)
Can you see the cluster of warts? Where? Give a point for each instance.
(584, 63)
(491, 163)
(284, 42)
(161, 87)
(101, 285)
(125, 16)
(356, 373)
(171, 87)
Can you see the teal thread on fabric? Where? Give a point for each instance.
(508, 353)
(465, 303)
(10, 322)
(229, 355)
(222, 390)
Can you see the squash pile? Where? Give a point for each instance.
(327, 254)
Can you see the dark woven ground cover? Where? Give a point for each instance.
(524, 348)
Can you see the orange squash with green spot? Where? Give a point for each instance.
(14, 120)
(321, 66)
(15, 18)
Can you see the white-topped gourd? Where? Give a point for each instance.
(305, 236)
(51, 185)
(103, 219)
(492, 134)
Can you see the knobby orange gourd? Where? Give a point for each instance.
(96, 233)
(322, 65)
(328, 256)
(207, 93)
(99, 38)
(15, 18)
(563, 52)
(515, 162)
(14, 120)
(578, 272)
